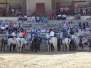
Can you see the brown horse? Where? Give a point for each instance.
(3, 44)
(35, 44)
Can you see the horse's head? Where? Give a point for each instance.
(61, 35)
(84, 40)
(74, 37)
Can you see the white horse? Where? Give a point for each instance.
(20, 43)
(65, 41)
(85, 42)
(11, 41)
(53, 41)
(76, 41)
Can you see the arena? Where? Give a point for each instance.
(45, 33)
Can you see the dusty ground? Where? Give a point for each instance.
(46, 60)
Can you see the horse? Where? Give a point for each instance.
(52, 41)
(3, 44)
(65, 41)
(11, 43)
(21, 42)
(76, 40)
(35, 45)
(85, 42)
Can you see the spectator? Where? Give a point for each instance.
(66, 10)
(20, 18)
(25, 17)
(37, 18)
(77, 33)
(78, 16)
(84, 11)
(64, 17)
(12, 11)
(17, 12)
(33, 18)
(59, 16)
(65, 26)
(15, 27)
(54, 16)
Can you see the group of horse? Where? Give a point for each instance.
(33, 43)
(71, 41)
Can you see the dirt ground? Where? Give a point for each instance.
(46, 60)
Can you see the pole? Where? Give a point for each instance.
(73, 7)
(6, 8)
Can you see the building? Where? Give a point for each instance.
(39, 6)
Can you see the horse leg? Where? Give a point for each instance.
(67, 47)
(8, 47)
(55, 48)
(35, 47)
(62, 47)
(11, 48)
(48, 47)
(1, 47)
(21, 48)
(39, 47)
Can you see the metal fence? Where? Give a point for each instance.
(38, 12)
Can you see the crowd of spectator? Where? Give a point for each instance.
(42, 18)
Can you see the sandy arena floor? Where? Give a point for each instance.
(46, 60)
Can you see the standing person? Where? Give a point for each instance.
(12, 11)
(79, 10)
(84, 11)
(65, 26)
(71, 25)
(7, 34)
(88, 10)
(61, 10)
(17, 12)
(66, 10)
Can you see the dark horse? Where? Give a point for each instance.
(3, 44)
(35, 44)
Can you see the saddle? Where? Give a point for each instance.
(49, 38)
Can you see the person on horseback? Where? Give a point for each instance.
(36, 34)
(52, 33)
(20, 34)
(71, 32)
(81, 34)
(13, 34)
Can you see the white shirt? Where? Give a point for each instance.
(13, 34)
(64, 15)
(12, 10)
(51, 33)
(59, 15)
(25, 16)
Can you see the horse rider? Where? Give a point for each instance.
(71, 32)
(36, 34)
(81, 34)
(52, 33)
(20, 35)
(13, 34)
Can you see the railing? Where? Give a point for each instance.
(38, 12)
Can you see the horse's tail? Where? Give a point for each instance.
(69, 41)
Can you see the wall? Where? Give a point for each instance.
(31, 5)
(70, 0)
